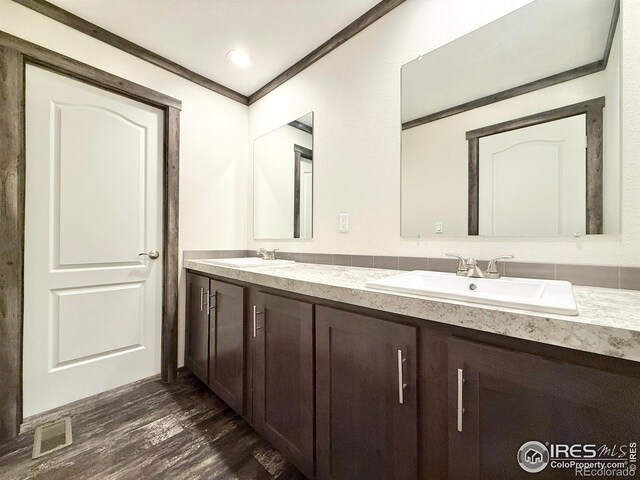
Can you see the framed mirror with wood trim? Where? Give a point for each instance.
(514, 129)
(283, 182)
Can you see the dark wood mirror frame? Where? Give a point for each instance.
(594, 157)
(15, 53)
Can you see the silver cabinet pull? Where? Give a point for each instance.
(153, 254)
(255, 321)
(201, 298)
(460, 409)
(401, 384)
(206, 301)
(215, 303)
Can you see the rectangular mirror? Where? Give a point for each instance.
(283, 182)
(514, 129)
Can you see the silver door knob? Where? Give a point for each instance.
(153, 254)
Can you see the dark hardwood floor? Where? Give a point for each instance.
(150, 430)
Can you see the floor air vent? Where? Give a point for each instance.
(51, 437)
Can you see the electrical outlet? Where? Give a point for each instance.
(343, 224)
(439, 228)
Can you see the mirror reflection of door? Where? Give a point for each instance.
(303, 193)
(532, 180)
(283, 182)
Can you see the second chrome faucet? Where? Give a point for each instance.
(267, 254)
(468, 267)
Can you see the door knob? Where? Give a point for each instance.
(153, 254)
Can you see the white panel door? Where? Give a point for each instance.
(532, 181)
(92, 305)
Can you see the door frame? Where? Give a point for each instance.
(15, 53)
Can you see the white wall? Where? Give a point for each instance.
(213, 136)
(273, 177)
(355, 94)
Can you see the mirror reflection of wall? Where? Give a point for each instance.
(514, 129)
(283, 182)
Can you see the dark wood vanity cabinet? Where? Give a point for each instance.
(196, 349)
(283, 379)
(226, 342)
(352, 394)
(509, 398)
(366, 412)
(214, 336)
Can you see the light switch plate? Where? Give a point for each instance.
(343, 224)
(439, 228)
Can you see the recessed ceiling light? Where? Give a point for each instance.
(239, 58)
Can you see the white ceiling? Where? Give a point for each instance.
(540, 39)
(197, 34)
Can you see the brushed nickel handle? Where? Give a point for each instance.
(255, 321)
(214, 295)
(462, 263)
(201, 298)
(206, 300)
(153, 254)
(492, 268)
(401, 384)
(460, 409)
(209, 300)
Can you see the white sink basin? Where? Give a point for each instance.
(245, 262)
(548, 296)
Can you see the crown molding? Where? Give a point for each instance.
(69, 19)
(78, 23)
(355, 27)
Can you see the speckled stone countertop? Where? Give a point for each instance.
(608, 322)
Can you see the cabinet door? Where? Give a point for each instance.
(226, 342)
(283, 377)
(366, 412)
(196, 355)
(510, 398)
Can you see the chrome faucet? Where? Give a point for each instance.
(473, 270)
(267, 254)
(469, 267)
